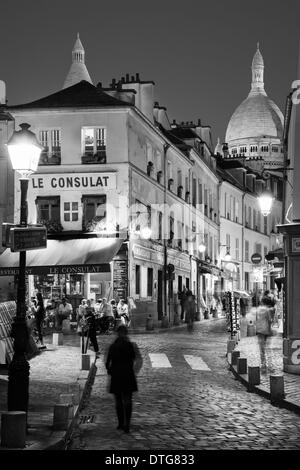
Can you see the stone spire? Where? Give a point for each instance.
(257, 85)
(78, 70)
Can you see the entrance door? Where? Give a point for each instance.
(160, 295)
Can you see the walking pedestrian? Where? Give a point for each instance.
(123, 362)
(263, 329)
(91, 329)
(182, 298)
(190, 310)
(39, 313)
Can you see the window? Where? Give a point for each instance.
(249, 216)
(247, 251)
(50, 140)
(265, 252)
(94, 142)
(94, 212)
(237, 249)
(275, 149)
(253, 148)
(200, 195)
(247, 281)
(70, 211)
(171, 228)
(48, 209)
(228, 242)
(194, 195)
(254, 219)
(150, 282)
(137, 279)
(160, 218)
(264, 148)
(258, 248)
(243, 149)
(234, 151)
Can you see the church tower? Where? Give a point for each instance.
(78, 70)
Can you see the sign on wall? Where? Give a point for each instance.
(73, 181)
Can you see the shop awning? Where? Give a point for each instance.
(88, 255)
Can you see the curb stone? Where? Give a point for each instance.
(60, 439)
(262, 391)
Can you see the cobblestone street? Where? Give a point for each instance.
(178, 407)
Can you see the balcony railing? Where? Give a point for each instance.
(50, 159)
(98, 157)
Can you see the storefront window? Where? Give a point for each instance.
(150, 282)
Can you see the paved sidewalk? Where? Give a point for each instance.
(248, 348)
(54, 371)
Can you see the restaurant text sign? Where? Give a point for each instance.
(71, 181)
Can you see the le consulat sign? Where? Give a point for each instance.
(73, 181)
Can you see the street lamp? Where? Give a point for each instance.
(227, 257)
(265, 201)
(24, 151)
(202, 248)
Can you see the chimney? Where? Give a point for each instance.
(99, 85)
(127, 77)
(137, 77)
(144, 97)
(113, 83)
(2, 92)
(123, 79)
(132, 78)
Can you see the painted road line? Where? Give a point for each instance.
(196, 362)
(159, 360)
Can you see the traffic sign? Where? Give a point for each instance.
(256, 258)
(28, 238)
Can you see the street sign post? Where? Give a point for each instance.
(256, 258)
(28, 238)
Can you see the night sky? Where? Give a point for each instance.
(198, 53)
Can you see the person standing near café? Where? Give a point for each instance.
(190, 310)
(65, 309)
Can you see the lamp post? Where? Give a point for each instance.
(24, 151)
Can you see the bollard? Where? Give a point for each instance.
(241, 365)
(230, 345)
(276, 388)
(13, 429)
(234, 357)
(85, 362)
(165, 322)
(149, 323)
(68, 399)
(253, 375)
(61, 417)
(58, 339)
(251, 329)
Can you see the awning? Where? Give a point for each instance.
(64, 257)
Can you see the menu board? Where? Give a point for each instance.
(120, 279)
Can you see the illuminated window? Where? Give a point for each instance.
(94, 142)
(50, 140)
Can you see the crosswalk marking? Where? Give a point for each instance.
(159, 360)
(196, 362)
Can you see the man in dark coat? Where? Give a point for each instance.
(123, 360)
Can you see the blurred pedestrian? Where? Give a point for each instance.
(263, 329)
(182, 298)
(123, 311)
(190, 310)
(123, 362)
(91, 333)
(65, 309)
(39, 313)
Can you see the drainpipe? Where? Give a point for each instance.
(165, 275)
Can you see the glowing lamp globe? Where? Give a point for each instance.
(24, 151)
(265, 201)
(227, 257)
(146, 232)
(202, 248)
